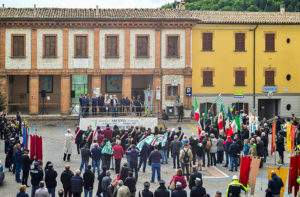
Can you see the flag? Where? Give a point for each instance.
(292, 137)
(282, 173)
(232, 108)
(273, 138)
(157, 140)
(220, 118)
(235, 126)
(107, 149)
(132, 131)
(196, 110)
(229, 114)
(254, 166)
(237, 121)
(24, 137)
(148, 140)
(205, 115)
(199, 128)
(229, 131)
(288, 141)
(219, 99)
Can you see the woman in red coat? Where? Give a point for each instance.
(118, 154)
(179, 178)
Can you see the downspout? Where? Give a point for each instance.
(254, 47)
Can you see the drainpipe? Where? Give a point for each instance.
(254, 31)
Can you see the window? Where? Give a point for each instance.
(240, 107)
(269, 78)
(50, 46)
(207, 78)
(81, 46)
(239, 78)
(46, 83)
(142, 46)
(207, 42)
(172, 91)
(173, 46)
(209, 106)
(239, 42)
(112, 46)
(270, 42)
(18, 46)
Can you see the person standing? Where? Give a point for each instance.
(94, 104)
(144, 156)
(123, 191)
(50, 179)
(155, 158)
(130, 182)
(100, 178)
(260, 150)
(85, 157)
(175, 150)
(96, 156)
(124, 172)
(88, 182)
(101, 104)
(234, 188)
(107, 132)
(180, 113)
(162, 191)
(114, 105)
(220, 150)
(76, 184)
(18, 162)
(179, 192)
(118, 154)
(112, 189)
(213, 149)
(198, 190)
(36, 176)
(234, 150)
(275, 184)
(26, 162)
(69, 139)
(246, 147)
(22, 192)
(105, 183)
(146, 192)
(134, 153)
(280, 147)
(194, 175)
(65, 179)
(78, 138)
(186, 156)
(42, 191)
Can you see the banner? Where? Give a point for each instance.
(244, 170)
(294, 172)
(253, 173)
(288, 141)
(273, 138)
(282, 173)
(122, 123)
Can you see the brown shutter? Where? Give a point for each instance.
(246, 108)
(207, 41)
(81, 46)
(50, 46)
(269, 78)
(270, 42)
(240, 42)
(172, 46)
(239, 78)
(112, 46)
(142, 46)
(18, 46)
(207, 78)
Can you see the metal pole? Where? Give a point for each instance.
(254, 30)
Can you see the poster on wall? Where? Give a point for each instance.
(113, 83)
(46, 83)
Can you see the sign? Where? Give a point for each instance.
(270, 89)
(239, 94)
(157, 93)
(96, 91)
(188, 91)
(81, 63)
(122, 123)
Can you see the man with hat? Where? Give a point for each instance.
(146, 192)
(235, 188)
(195, 174)
(162, 191)
(26, 162)
(50, 179)
(198, 190)
(179, 192)
(36, 176)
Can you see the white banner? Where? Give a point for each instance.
(81, 63)
(125, 123)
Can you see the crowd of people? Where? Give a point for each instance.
(110, 145)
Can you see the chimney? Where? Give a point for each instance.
(282, 8)
(34, 10)
(181, 5)
(97, 10)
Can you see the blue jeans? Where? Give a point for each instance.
(233, 160)
(33, 189)
(175, 157)
(106, 163)
(88, 193)
(143, 160)
(18, 170)
(128, 160)
(85, 164)
(51, 191)
(96, 164)
(164, 156)
(155, 166)
(133, 166)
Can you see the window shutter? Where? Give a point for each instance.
(50, 46)
(269, 78)
(240, 42)
(18, 46)
(207, 78)
(81, 46)
(207, 41)
(142, 46)
(172, 46)
(112, 46)
(239, 78)
(270, 42)
(246, 108)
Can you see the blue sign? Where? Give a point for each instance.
(270, 89)
(188, 92)
(239, 96)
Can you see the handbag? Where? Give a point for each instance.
(172, 185)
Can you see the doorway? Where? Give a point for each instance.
(141, 83)
(268, 108)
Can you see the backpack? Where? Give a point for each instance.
(208, 144)
(186, 158)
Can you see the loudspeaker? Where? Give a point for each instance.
(11, 79)
(72, 93)
(43, 93)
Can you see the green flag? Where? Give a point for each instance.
(237, 122)
(229, 114)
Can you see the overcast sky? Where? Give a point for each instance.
(86, 3)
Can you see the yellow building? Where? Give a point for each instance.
(253, 53)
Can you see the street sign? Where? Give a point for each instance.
(270, 89)
(188, 91)
(238, 94)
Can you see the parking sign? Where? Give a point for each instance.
(188, 91)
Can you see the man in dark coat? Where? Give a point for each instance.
(280, 146)
(78, 138)
(88, 179)
(76, 184)
(180, 113)
(179, 192)
(146, 192)
(260, 148)
(198, 190)
(134, 153)
(275, 184)
(36, 176)
(162, 191)
(100, 178)
(50, 179)
(234, 151)
(26, 162)
(194, 175)
(101, 104)
(130, 182)
(65, 179)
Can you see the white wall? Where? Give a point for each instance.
(112, 63)
(49, 63)
(140, 63)
(86, 62)
(17, 63)
(172, 63)
(168, 79)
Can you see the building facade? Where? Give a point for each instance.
(249, 55)
(113, 51)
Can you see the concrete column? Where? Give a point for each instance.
(157, 48)
(65, 94)
(3, 90)
(157, 81)
(33, 49)
(126, 85)
(34, 94)
(66, 48)
(96, 82)
(127, 48)
(2, 48)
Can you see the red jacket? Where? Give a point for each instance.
(107, 132)
(181, 179)
(118, 151)
(100, 138)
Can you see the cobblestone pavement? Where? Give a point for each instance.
(215, 178)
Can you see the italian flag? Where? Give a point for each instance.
(196, 110)
(229, 131)
(199, 128)
(220, 118)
